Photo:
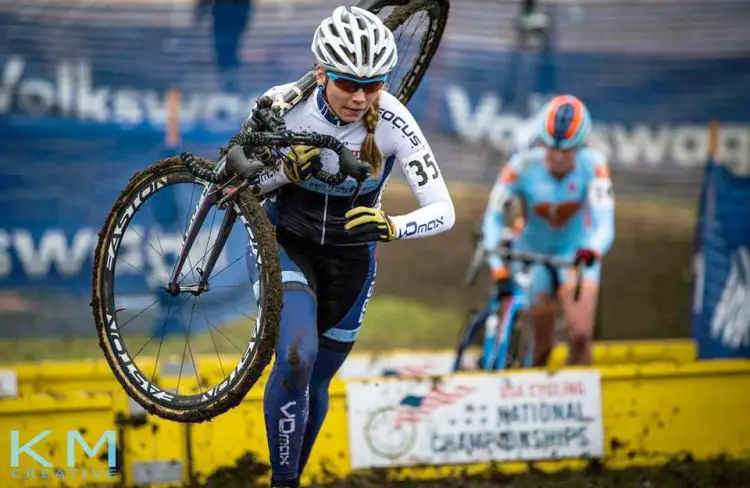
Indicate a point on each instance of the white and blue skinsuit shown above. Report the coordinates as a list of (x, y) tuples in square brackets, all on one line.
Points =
[(327, 278)]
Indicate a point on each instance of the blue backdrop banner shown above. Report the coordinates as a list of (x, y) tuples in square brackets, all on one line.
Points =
[(721, 287), (85, 98)]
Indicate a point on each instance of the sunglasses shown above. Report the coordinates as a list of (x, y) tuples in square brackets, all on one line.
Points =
[(352, 85)]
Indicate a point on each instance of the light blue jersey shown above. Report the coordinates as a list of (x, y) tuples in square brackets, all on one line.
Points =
[(561, 216)]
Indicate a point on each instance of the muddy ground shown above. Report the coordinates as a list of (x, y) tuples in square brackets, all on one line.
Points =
[(645, 289), (683, 473)]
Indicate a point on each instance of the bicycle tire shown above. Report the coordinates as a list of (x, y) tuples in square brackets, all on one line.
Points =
[(437, 12), (466, 333), (519, 341), (184, 408)]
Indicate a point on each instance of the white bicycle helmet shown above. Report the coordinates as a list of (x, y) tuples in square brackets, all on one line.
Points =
[(354, 41)]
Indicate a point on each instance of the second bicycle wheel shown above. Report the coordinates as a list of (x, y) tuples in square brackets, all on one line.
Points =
[(520, 341), (152, 334), (418, 27)]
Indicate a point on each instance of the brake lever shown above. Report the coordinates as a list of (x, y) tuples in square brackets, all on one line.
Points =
[(239, 164), (351, 166), (268, 116)]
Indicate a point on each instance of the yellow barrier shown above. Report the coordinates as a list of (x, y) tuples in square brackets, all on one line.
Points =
[(94, 375), (60, 377), (651, 413), (608, 353)]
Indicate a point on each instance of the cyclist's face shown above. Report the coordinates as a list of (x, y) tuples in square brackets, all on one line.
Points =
[(348, 106), (560, 161)]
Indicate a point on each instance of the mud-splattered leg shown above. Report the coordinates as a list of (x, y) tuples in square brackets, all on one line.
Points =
[(286, 400)]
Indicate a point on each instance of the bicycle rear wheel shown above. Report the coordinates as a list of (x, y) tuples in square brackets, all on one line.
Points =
[(418, 28), (133, 261), (470, 337), (520, 342)]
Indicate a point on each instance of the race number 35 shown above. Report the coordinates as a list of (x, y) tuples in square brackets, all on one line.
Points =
[(419, 169)]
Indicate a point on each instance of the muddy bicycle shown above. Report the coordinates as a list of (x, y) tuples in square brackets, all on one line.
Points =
[(502, 328), (223, 217)]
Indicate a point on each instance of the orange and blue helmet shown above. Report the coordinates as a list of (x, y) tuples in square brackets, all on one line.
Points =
[(565, 123)]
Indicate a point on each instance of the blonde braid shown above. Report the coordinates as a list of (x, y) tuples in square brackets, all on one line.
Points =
[(370, 151)]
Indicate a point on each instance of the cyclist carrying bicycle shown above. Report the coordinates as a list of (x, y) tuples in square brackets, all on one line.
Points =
[(568, 211), (327, 249)]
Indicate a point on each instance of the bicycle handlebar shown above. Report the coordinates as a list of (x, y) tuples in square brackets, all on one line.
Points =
[(550, 262), (533, 258), (239, 164)]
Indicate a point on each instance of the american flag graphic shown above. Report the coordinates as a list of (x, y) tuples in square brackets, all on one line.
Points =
[(413, 408), (411, 370)]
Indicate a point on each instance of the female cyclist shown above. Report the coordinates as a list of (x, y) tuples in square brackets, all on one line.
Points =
[(568, 207), (327, 247)]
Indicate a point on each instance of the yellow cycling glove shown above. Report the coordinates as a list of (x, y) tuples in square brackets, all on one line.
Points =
[(301, 163), (369, 224)]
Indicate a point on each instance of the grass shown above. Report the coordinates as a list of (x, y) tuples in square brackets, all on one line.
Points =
[(41, 348), (389, 323), (393, 322)]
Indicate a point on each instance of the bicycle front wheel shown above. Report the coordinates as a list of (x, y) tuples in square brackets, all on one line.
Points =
[(153, 330)]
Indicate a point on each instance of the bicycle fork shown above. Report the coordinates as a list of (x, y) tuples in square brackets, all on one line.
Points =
[(209, 196), (498, 335)]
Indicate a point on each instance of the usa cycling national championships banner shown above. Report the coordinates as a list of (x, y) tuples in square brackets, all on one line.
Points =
[(509, 417)]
